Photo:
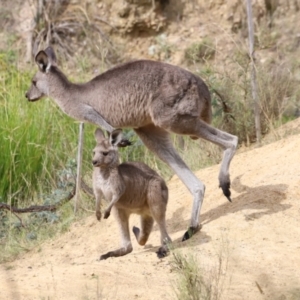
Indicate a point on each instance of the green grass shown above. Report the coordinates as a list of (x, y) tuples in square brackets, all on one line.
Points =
[(196, 280), (200, 51), (37, 139)]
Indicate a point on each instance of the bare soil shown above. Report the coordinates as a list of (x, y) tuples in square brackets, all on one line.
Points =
[(258, 233)]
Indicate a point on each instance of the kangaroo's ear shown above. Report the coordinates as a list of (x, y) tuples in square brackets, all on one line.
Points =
[(51, 55), (99, 135), (43, 61), (116, 137)]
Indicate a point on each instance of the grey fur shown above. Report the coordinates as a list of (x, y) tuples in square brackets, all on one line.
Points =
[(130, 187), (153, 98)]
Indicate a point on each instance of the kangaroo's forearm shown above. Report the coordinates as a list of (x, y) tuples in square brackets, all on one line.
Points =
[(94, 117)]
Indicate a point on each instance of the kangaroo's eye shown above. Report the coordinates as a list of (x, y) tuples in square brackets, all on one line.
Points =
[(34, 82), (104, 153), (94, 152)]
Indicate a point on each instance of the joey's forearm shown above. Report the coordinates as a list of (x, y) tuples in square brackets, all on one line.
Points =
[(111, 204), (98, 204)]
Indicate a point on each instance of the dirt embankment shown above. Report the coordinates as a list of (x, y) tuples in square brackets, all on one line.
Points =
[(258, 233)]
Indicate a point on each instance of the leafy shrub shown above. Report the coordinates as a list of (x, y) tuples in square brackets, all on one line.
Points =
[(233, 107), (19, 232), (200, 51)]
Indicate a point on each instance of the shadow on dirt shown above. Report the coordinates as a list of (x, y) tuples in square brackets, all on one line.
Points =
[(200, 238), (265, 199), (256, 201)]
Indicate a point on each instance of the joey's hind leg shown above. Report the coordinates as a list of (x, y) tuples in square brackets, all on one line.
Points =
[(126, 247), (146, 228), (158, 212)]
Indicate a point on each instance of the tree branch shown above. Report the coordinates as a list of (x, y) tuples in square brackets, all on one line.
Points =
[(52, 207), (38, 208)]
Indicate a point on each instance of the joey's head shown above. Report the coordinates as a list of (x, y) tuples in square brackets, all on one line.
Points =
[(105, 154), (41, 81)]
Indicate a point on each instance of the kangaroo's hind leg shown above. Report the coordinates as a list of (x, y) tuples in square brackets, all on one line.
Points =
[(158, 141), (158, 200), (142, 234), (126, 246), (228, 142)]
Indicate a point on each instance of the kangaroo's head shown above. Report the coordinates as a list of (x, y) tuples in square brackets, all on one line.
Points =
[(46, 61), (105, 154)]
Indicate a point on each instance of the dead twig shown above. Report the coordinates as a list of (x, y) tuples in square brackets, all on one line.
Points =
[(225, 107), (52, 207), (259, 288), (38, 208), (21, 221)]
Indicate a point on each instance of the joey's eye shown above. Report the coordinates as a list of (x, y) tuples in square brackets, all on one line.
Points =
[(104, 153), (94, 152)]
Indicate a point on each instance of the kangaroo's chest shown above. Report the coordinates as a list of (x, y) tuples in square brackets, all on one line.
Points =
[(106, 187)]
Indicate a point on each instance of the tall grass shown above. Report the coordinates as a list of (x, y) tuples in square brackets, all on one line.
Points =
[(37, 139), (197, 281), (37, 142)]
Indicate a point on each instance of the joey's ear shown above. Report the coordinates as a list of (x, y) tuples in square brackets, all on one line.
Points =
[(43, 61), (51, 55), (116, 137), (99, 135)]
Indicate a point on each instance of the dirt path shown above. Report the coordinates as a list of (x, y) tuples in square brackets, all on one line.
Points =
[(259, 231)]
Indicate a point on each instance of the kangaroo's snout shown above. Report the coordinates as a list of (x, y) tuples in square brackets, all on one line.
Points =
[(94, 162), (27, 95)]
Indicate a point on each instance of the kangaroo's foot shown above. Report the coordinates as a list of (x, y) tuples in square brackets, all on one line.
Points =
[(105, 256), (225, 186), (162, 251), (136, 232), (140, 237), (119, 252), (106, 213), (190, 232), (98, 215)]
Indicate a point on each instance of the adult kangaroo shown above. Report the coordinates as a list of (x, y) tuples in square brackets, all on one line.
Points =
[(154, 99)]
